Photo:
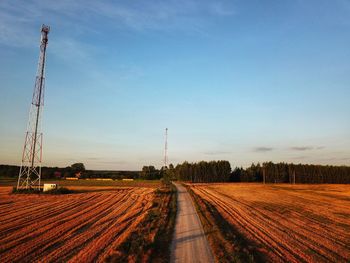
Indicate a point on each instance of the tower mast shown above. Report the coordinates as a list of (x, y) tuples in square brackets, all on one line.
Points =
[(166, 149), (30, 171)]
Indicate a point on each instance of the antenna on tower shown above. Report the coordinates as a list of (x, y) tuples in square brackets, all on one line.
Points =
[(30, 171), (166, 149)]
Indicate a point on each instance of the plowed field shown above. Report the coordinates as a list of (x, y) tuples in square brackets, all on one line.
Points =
[(293, 223), (83, 227)]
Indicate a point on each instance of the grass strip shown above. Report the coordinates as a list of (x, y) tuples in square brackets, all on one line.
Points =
[(151, 241)]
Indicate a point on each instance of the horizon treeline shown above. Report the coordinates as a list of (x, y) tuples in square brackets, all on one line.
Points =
[(212, 171), (268, 172), (12, 171), (292, 173)]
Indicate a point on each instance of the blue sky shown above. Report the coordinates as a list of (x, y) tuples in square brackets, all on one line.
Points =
[(244, 81)]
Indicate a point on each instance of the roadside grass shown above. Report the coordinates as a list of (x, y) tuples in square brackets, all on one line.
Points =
[(228, 244), (151, 241)]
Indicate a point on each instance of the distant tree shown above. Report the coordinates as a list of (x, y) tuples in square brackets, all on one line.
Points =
[(75, 169), (150, 173), (78, 167), (169, 173), (236, 175)]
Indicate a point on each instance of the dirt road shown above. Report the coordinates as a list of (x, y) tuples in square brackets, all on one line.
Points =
[(189, 243)]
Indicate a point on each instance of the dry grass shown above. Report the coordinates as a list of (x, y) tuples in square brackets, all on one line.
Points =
[(150, 241), (84, 227), (294, 223)]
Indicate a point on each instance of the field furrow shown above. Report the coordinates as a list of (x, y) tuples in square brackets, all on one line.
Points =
[(300, 224), (82, 227)]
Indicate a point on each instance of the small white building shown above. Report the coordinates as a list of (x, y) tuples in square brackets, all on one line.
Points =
[(49, 187)]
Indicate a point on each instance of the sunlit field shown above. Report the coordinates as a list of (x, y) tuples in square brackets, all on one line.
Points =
[(293, 223), (87, 226)]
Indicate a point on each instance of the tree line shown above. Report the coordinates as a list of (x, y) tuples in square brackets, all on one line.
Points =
[(213, 171), (292, 173), (74, 170), (268, 172)]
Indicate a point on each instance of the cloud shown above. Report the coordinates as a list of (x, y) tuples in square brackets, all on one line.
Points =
[(217, 152), (73, 23), (300, 157), (116, 162), (263, 149), (220, 9), (301, 148), (306, 148), (104, 160), (336, 159), (320, 148), (17, 17), (12, 30), (93, 158), (161, 15)]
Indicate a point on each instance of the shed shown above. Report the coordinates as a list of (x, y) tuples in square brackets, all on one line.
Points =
[(49, 187)]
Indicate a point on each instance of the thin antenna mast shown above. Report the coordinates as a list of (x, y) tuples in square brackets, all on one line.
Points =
[(166, 149), (30, 171)]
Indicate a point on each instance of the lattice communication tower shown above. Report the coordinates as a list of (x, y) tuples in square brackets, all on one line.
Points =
[(30, 171)]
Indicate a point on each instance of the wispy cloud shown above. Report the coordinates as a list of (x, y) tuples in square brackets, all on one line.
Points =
[(81, 15), (217, 152), (221, 9), (93, 158), (306, 148), (161, 15), (12, 30), (263, 149), (299, 157), (116, 162), (336, 159), (301, 148), (75, 22)]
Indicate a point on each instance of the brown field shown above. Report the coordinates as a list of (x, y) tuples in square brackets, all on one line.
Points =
[(84, 227), (294, 223)]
